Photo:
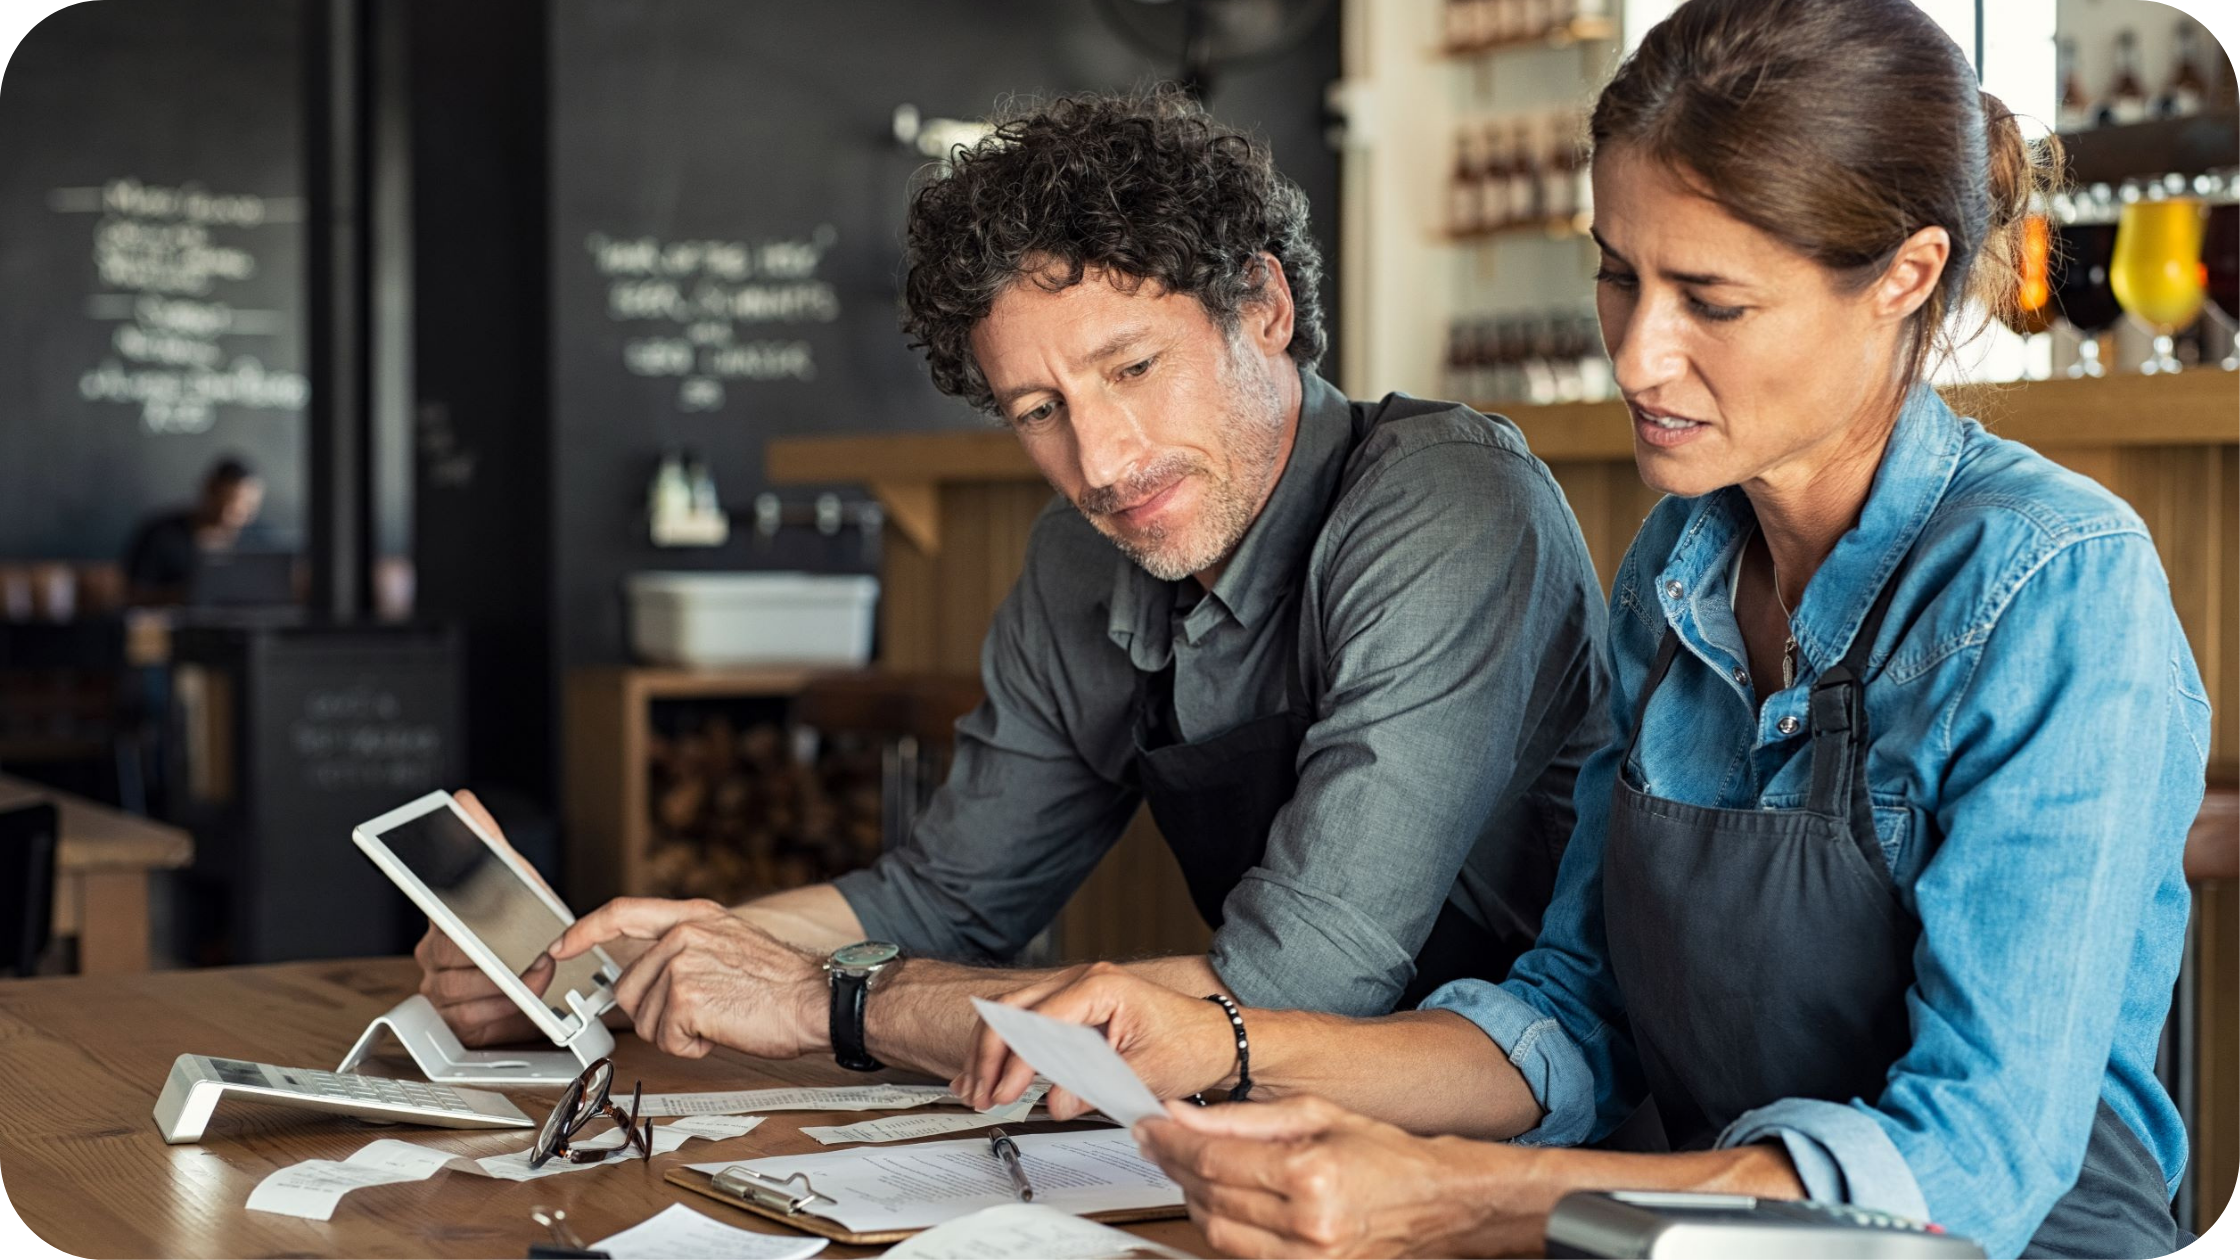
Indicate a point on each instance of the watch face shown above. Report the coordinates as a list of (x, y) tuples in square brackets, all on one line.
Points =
[(865, 954)]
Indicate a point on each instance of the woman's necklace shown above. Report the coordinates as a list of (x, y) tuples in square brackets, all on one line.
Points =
[(1788, 628)]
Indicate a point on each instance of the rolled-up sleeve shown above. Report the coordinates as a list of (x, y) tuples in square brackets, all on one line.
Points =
[(1020, 822), (1459, 650)]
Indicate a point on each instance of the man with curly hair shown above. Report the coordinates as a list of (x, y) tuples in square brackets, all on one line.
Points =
[(1349, 653)]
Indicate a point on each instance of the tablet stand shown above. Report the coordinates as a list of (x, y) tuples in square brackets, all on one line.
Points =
[(416, 1025)]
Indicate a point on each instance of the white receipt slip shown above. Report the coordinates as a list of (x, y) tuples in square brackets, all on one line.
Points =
[(911, 1128), (878, 1188), (1075, 1056), (315, 1187), (1026, 1231), (679, 1233), (843, 1098)]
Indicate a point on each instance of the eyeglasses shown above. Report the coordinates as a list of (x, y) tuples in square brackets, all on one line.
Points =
[(585, 1099)]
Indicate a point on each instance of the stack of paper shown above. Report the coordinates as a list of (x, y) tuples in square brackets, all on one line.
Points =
[(911, 1187), (1026, 1231)]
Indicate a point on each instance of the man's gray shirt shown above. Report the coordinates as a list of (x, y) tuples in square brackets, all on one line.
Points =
[(1450, 637)]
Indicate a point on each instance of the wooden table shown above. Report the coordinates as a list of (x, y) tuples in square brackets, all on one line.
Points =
[(102, 867), (84, 1058)]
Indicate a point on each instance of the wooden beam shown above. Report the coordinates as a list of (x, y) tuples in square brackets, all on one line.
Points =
[(967, 455), (2199, 407), (915, 507)]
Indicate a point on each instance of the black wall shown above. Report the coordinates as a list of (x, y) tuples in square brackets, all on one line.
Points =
[(712, 120), (196, 96)]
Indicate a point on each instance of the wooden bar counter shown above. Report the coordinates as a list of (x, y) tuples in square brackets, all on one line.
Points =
[(84, 1059)]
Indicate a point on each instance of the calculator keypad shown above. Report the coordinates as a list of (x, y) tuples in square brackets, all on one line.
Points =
[(377, 1091)]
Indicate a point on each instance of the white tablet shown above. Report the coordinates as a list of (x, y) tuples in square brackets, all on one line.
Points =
[(486, 898)]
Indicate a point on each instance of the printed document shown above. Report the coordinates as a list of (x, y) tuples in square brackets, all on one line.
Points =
[(912, 1187)]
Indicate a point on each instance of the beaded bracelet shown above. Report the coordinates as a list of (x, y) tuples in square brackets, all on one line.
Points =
[(1243, 1091)]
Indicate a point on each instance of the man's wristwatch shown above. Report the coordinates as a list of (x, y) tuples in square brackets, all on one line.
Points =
[(851, 969)]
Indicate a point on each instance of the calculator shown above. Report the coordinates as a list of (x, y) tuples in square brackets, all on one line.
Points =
[(198, 1081), (1684, 1226)]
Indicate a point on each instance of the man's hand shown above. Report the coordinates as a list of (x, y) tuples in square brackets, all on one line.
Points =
[(1305, 1177), (1178, 1043), (709, 979), (471, 1002)]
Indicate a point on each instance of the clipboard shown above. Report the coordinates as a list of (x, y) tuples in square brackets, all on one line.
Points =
[(792, 1202)]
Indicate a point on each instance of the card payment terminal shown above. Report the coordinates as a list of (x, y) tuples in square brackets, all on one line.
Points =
[(1674, 1226)]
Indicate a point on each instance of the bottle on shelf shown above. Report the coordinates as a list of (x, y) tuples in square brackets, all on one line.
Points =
[(2127, 97), (2188, 89), (1486, 20), (1494, 172), (1524, 175), (2075, 113), (1533, 19), (1559, 179), (1582, 178), (1459, 23), (1463, 206)]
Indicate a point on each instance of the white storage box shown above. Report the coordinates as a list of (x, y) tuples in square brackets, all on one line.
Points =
[(711, 619)]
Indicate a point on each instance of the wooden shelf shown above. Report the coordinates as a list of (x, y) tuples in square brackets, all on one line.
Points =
[(1577, 30), (2196, 407), (2188, 146), (1560, 227)]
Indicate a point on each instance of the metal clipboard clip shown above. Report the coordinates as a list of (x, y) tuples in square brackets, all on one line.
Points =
[(789, 1196)]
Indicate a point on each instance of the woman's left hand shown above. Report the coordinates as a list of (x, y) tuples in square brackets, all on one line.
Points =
[(1305, 1177)]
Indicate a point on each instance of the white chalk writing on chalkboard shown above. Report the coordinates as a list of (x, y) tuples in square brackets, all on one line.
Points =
[(703, 290), (360, 736), (161, 267)]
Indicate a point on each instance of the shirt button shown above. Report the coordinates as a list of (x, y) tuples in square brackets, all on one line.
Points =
[(1673, 590), (1742, 676), (1789, 725)]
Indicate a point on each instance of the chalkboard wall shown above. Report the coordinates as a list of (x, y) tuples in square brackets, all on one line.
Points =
[(151, 254), (712, 155)]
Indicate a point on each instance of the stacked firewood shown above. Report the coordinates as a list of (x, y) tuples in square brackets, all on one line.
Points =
[(742, 812)]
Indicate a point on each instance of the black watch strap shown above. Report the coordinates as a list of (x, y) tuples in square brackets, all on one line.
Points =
[(848, 993)]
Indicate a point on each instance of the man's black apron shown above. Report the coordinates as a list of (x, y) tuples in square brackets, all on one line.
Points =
[(1765, 955), (1215, 799)]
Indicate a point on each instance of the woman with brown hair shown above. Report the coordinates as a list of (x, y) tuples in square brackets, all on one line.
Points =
[(1878, 899)]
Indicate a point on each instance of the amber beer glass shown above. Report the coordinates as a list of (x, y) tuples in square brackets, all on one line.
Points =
[(2084, 239), (2033, 308), (2156, 270), (2220, 264)]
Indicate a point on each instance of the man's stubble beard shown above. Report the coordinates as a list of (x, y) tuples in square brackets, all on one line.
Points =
[(1251, 435)]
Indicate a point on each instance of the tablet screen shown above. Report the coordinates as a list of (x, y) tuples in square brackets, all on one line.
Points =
[(489, 897)]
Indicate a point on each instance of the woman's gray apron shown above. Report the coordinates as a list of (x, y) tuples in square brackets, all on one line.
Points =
[(1215, 799), (1765, 955)]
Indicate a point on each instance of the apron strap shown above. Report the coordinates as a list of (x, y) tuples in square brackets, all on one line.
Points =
[(1667, 648), (1837, 714)]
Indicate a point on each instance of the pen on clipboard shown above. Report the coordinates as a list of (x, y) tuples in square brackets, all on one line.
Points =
[(1008, 1151)]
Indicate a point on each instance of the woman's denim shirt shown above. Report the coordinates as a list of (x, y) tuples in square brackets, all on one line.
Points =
[(2039, 736)]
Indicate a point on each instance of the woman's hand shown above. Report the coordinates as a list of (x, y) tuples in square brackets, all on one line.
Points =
[(1179, 1044), (1305, 1177)]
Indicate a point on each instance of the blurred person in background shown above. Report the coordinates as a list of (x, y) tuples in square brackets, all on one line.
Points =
[(160, 561)]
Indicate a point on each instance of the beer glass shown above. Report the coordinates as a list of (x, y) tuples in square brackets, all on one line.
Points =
[(2156, 269), (2220, 264), (2077, 274)]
